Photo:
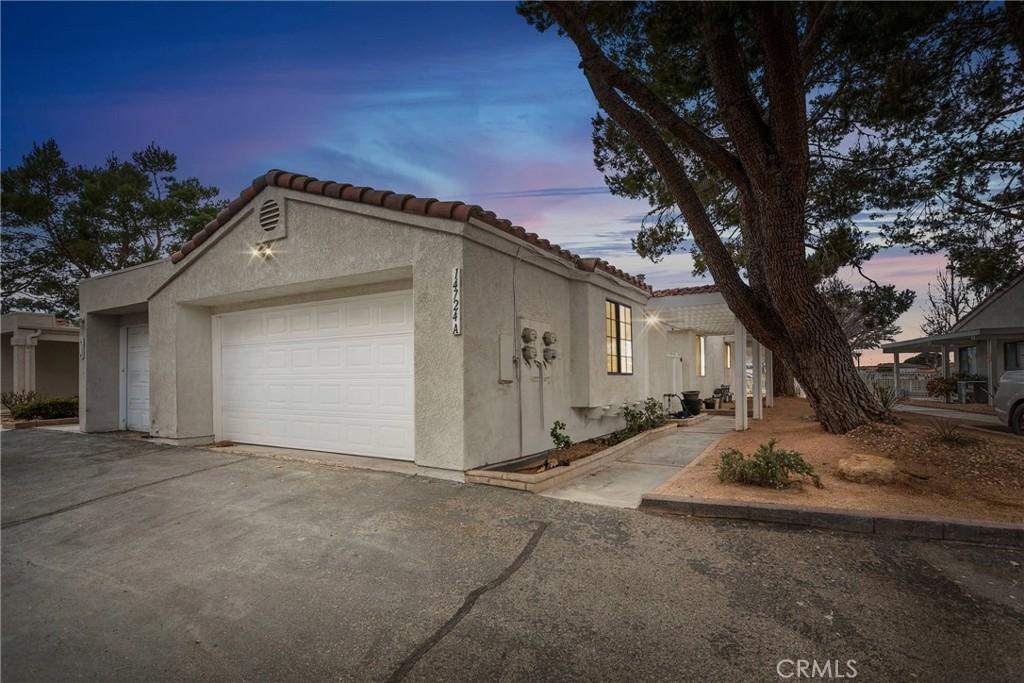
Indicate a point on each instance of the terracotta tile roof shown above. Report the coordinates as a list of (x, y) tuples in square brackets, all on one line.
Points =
[(683, 291), (420, 206)]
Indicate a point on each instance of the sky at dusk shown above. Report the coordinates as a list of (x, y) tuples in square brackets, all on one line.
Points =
[(455, 100)]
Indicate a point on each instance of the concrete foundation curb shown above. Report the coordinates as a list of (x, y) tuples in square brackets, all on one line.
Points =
[(30, 424), (892, 525)]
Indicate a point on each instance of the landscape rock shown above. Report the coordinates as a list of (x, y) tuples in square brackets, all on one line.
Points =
[(862, 468)]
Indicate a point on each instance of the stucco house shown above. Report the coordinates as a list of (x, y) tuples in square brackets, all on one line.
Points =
[(986, 342), (323, 316), (39, 352)]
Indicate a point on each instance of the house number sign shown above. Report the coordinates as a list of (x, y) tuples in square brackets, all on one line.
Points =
[(456, 301)]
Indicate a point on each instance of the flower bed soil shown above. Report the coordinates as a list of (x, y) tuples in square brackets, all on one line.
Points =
[(562, 457)]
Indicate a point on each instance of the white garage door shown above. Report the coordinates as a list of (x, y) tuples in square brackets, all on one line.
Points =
[(332, 376), (136, 378)]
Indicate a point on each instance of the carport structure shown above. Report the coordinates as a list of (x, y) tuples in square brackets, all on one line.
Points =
[(698, 322)]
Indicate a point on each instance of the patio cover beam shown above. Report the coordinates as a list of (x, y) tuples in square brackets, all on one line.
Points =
[(739, 380), (758, 407)]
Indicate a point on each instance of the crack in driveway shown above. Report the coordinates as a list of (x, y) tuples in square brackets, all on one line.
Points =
[(409, 662), (75, 506)]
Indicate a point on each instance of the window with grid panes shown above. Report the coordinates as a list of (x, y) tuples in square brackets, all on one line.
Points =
[(618, 333)]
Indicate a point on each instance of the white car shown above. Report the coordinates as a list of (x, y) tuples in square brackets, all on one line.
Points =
[(1009, 401)]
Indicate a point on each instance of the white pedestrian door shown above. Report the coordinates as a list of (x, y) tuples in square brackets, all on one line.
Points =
[(136, 383), (333, 376)]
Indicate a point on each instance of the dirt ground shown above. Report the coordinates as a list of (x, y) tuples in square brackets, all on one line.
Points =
[(980, 480)]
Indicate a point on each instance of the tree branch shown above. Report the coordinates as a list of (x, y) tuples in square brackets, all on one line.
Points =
[(810, 44), (784, 82), (760, 319), (701, 144), (739, 110)]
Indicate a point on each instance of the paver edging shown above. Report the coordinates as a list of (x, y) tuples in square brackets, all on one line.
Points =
[(891, 525), (542, 481)]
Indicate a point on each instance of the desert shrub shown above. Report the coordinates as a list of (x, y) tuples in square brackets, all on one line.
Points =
[(768, 466), (46, 409), (950, 433), (941, 387), (14, 399), (559, 437), (888, 398)]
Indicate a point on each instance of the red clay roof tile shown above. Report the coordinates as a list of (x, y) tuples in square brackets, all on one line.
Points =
[(443, 209), (396, 202), (376, 197), (354, 193), (422, 206), (418, 205), (683, 291)]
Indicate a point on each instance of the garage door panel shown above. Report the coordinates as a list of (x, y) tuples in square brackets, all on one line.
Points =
[(136, 383), (334, 377)]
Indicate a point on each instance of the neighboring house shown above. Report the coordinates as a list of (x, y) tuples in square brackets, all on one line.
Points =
[(39, 352), (906, 369), (987, 342), (322, 316)]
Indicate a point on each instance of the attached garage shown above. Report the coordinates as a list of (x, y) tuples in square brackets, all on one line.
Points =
[(333, 376), (320, 316)]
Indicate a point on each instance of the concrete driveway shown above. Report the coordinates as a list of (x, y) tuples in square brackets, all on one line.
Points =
[(124, 560)]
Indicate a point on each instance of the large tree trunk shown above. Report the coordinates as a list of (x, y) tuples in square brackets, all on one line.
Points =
[(782, 378), (839, 397), (814, 345)]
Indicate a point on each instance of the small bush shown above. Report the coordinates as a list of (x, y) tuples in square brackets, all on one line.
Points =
[(888, 398), (950, 433), (559, 437), (635, 420), (12, 400), (767, 467), (46, 409), (654, 413)]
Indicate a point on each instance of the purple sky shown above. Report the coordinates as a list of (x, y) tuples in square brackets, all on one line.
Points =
[(452, 100)]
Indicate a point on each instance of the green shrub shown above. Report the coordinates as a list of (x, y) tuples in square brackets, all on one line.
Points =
[(635, 420), (46, 409), (767, 467), (12, 400), (650, 415), (950, 433), (559, 437), (654, 413)]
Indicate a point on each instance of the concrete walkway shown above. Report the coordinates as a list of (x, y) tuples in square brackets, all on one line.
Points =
[(980, 419), (623, 482)]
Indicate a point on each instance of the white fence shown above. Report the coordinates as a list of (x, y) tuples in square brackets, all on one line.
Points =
[(912, 387)]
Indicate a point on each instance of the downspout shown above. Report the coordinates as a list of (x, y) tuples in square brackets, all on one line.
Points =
[(517, 360)]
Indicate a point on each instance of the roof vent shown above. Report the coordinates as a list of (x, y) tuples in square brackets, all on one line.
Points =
[(270, 215)]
